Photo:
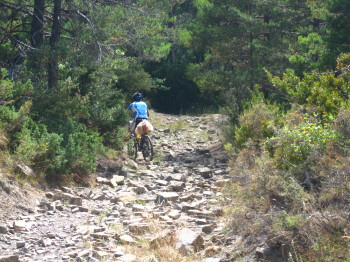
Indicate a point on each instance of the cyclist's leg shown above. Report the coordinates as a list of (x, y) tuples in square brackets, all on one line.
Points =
[(137, 135), (132, 126)]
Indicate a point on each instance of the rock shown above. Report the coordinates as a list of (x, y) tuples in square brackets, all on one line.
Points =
[(188, 241), (45, 242), (119, 251), (125, 197), (132, 164), (165, 197), (3, 229), (102, 180), (100, 235), (20, 244), (218, 211), (84, 253), (176, 177), (83, 209), (21, 226), (24, 170), (208, 228), (114, 167), (139, 228), (199, 213), (10, 258), (138, 208), (72, 199), (51, 235), (205, 172), (93, 259), (66, 190), (127, 258), (127, 239), (161, 182), (163, 238), (117, 181), (98, 229), (201, 221), (49, 195), (99, 196), (100, 255), (185, 207), (177, 186), (187, 198), (86, 193), (174, 214), (203, 151), (270, 254), (140, 190)]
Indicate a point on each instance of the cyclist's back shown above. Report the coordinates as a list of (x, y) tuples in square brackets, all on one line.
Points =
[(140, 109)]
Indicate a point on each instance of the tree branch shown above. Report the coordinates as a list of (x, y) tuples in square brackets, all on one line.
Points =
[(14, 39)]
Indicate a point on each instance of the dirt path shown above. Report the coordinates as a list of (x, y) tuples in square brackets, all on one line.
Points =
[(166, 210)]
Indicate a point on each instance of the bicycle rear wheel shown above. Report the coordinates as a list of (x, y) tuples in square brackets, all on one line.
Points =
[(147, 148)]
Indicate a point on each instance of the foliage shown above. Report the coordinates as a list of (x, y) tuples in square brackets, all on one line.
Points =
[(294, 144), (82, 148), (295, 179), (37, 148), (256, 122), (338, 23), (326, 92), (239, 39), (310, 53), (193, 56)]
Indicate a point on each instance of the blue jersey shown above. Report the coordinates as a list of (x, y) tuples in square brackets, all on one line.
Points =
[(139, 108)]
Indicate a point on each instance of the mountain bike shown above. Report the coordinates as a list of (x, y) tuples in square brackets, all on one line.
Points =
[(145, 146)]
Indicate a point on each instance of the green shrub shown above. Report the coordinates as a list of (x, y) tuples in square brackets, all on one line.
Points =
[(82, 149), (285, 221), (15, 107), (325, 92), (295, 143), (6, 86), (38, 148), (256, 123)]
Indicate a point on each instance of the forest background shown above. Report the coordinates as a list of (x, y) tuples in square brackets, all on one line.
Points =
[(279, 69)]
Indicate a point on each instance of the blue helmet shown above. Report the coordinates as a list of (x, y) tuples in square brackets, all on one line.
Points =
[(137, 96)]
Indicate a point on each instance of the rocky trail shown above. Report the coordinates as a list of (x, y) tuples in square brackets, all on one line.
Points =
[(165, 210)]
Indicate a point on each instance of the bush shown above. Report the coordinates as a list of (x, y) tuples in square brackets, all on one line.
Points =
[(256, 123), (326, 92), (82, 149), (40, 149), (294, 143)]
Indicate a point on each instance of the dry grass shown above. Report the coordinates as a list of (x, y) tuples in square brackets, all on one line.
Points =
[(166, 253), (265, 202), (160, 246)]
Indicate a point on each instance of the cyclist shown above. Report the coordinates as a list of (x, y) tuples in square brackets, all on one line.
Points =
[(140, 112)]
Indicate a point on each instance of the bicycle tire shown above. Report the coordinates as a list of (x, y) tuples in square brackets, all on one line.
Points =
[(136, 146), (132, 148), (147, 148)]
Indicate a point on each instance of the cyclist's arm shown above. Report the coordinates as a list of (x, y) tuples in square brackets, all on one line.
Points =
[(130, 110)]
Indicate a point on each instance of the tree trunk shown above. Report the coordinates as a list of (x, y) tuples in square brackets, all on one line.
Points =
[(251, 50), (36, 31), (55, 37), (37, 39)]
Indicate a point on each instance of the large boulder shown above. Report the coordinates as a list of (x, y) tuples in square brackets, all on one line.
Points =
[(188, 241)]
